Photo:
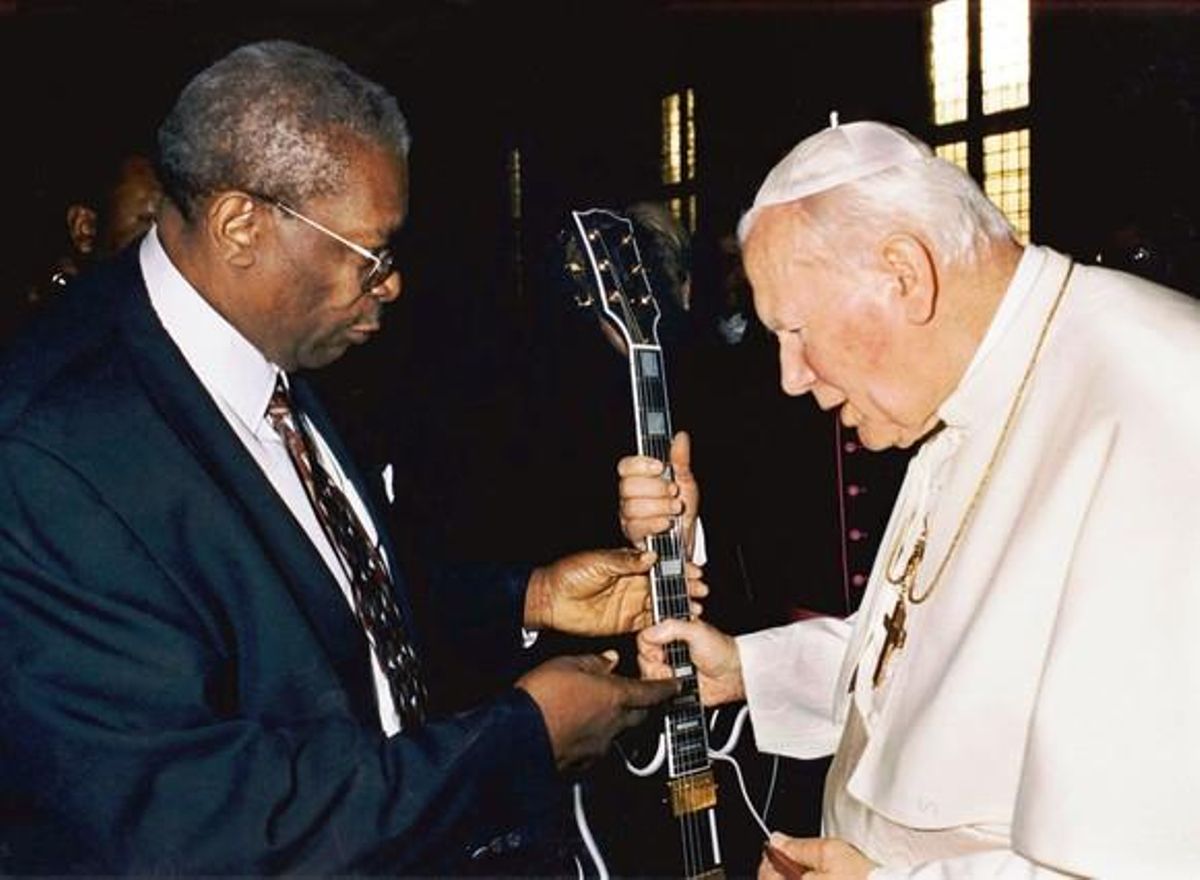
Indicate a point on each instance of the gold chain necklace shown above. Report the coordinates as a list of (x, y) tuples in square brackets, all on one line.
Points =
[(895, 631)]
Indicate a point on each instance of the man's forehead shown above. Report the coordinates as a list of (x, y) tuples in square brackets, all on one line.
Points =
[(780, 262), (775, 245), (377, 189)]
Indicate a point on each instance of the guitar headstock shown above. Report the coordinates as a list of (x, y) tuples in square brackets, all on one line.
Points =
[(612, 279)]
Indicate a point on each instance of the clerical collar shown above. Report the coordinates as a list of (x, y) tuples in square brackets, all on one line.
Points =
[(225, 361)]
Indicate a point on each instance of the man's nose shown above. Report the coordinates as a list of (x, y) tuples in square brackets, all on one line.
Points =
[(389, 288), (796, 377)]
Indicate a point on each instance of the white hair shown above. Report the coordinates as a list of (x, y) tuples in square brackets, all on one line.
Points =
[(861, 181)]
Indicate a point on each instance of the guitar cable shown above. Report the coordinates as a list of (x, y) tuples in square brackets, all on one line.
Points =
[(585, 832), (724, 753)]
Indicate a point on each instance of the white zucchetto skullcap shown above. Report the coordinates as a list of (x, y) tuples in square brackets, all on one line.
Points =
[(831, 157)]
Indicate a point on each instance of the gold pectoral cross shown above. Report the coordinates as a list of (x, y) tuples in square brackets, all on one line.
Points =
[(894, 623)]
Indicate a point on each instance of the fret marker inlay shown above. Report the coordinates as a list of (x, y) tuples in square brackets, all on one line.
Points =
[(671, 567)]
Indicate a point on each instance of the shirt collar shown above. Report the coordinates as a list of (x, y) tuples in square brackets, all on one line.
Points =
[(232, 370)]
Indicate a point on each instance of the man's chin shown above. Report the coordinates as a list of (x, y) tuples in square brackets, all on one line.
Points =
[(875, 443), (890, 438), (877, 439), (316, 358)]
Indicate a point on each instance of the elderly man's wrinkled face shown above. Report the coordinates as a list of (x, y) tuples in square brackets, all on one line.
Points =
[(841, 336), (319, 308)]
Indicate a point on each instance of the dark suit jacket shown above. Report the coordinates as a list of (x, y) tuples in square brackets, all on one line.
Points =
[(183, 688)]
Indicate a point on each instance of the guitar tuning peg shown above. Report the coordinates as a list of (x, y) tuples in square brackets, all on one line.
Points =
[(645, 299), (584, 300), (614, 296), (593, 235), (575, 268), (604, 265), (636, 270), (627, 238)]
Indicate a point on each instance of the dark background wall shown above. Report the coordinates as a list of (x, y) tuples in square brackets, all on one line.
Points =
[(500, 406)]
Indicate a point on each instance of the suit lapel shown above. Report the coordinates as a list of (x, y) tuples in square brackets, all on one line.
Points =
[(193, 415)]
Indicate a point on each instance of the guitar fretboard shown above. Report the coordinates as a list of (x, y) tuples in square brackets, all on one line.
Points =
[(686, 732)]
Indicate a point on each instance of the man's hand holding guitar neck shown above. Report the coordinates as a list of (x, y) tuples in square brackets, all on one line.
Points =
[(648, 502)]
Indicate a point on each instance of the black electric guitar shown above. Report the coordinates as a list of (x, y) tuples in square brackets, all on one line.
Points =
[(615, 285)]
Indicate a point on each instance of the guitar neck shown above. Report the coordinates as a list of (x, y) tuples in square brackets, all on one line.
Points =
[(652, 416), (618, 290)]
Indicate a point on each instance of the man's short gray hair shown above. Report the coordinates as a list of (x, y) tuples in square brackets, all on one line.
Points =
[(864, 180), (273, 118)]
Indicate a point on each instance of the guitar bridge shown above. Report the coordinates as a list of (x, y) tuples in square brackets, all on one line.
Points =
[(693, 793)]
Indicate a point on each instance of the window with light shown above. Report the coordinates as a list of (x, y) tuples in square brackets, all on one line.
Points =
[(1006, 176), (1004, 62), (679, 154), (948, 60), (955, 151), (980, 94)]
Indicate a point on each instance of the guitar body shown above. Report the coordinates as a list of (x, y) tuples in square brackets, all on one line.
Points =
[(631, 820), (618, 289)]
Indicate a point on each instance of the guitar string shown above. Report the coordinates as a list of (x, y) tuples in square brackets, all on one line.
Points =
[(690, 840), (690, 822), (677, 606)]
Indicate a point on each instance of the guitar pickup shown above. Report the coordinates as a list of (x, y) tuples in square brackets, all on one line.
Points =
[(693, 793)]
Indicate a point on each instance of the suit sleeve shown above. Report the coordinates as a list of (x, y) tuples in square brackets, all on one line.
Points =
[(475, 646), (122, 743)]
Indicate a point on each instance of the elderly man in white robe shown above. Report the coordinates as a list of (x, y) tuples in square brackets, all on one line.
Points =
[(1019, 693)]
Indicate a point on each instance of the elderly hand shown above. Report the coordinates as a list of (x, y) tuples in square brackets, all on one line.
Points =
[(584, 705), (714, 656), (648, 502), (813, 857), (598, 592)]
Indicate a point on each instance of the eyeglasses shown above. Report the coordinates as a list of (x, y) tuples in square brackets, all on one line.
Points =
[(382, 259)]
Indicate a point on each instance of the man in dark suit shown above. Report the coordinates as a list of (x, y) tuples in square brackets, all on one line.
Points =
[(209, 655)]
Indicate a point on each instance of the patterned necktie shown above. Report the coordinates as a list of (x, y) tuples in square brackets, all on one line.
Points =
[(370, 585)]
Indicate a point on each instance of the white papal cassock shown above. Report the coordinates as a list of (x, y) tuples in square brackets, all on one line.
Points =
[(1044, 714)]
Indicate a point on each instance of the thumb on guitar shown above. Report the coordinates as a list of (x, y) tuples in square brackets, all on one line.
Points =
[(689, 488)]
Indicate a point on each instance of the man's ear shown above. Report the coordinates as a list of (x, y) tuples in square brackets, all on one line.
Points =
[(81, 228), (910, 266), (235, 227)]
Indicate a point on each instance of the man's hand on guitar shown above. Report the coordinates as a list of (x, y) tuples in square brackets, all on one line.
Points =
[(648, 502), (599, 592), (584, 705), (714, 656), (791, 858)]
